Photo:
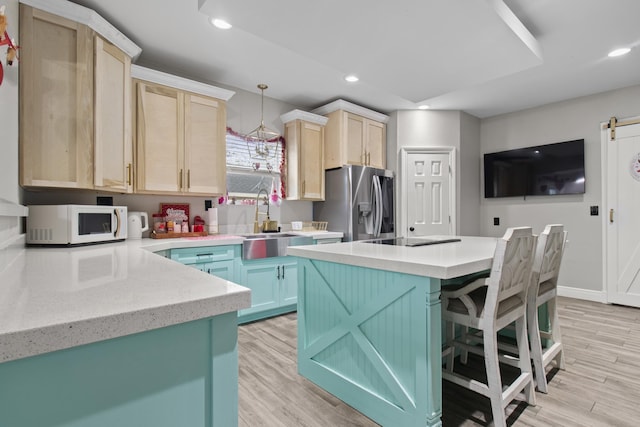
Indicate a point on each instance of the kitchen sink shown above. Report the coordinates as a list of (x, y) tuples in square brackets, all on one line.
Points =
[(267, 245), (269, 236)]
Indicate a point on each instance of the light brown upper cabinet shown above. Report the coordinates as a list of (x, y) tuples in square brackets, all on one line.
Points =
[(304, 139), (56, 101), (113, 147), (180, 135), (74, 99), (353, 135)]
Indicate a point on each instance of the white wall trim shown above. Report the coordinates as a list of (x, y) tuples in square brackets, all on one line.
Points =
[(341, 104), (401, 189), (154, 76), (583, 294), (91, 19)]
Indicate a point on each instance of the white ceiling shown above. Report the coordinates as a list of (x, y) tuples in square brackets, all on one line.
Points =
[(485, 57)]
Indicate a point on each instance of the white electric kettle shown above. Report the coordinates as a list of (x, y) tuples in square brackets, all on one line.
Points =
[(134, 224)]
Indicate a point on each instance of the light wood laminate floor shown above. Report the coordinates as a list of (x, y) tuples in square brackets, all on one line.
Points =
[(600, 386)]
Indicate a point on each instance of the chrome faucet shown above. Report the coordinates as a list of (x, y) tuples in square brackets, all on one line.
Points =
[(256, 226)]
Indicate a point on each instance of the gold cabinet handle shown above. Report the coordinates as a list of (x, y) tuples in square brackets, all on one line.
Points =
[(189, 178), (611, 216), (180, 179), (129, 173), (369, 158), (303, 185)]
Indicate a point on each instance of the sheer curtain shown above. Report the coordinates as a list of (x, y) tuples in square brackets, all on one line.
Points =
[(248, 172)]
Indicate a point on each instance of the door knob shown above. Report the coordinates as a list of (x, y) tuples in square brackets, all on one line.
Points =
[(412, 229)]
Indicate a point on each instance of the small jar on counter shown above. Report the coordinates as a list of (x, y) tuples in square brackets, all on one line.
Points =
[(159, 224), (170, 226)]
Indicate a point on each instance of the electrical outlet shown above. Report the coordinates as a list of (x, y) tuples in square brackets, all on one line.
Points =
[(496, 221), (207, 205), (594, 210)]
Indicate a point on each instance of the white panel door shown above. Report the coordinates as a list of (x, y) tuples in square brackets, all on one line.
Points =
[(623, 224), (428, 194)]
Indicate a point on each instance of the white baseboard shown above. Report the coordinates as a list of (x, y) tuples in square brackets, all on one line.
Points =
[(584, 294)]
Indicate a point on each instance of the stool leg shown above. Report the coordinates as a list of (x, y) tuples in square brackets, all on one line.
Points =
[(525, 362), (464, 354), (556, 335), (494, 380), (533, 328), (450, 330)]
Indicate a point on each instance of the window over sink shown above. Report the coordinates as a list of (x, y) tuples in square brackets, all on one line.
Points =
[(249, 170)]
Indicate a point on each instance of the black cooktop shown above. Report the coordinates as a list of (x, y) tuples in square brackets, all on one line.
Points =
[(412, 241)]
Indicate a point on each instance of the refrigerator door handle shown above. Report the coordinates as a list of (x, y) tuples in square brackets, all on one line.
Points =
[(380, 206), (377, 202)]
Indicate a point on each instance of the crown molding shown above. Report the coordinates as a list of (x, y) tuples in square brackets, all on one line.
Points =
[(154, 76), (303, 115), (341, 104), (90, 18)]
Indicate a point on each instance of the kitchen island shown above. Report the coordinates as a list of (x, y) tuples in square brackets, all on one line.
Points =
[(114, 334), (369, 322)]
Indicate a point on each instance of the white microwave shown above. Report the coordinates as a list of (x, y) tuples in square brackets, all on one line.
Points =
[(75, 224)]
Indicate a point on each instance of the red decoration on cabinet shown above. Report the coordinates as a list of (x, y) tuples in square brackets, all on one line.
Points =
[(12, 49)]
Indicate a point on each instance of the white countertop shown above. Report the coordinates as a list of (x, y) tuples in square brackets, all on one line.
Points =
[(443, 261), (56, 298)]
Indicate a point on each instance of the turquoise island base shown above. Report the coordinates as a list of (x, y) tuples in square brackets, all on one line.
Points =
[(362, 335), (369, 323)]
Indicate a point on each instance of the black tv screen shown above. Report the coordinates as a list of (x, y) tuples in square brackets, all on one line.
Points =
[(536, 171)]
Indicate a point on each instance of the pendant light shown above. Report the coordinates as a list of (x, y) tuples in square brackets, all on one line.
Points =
[(262, 142)]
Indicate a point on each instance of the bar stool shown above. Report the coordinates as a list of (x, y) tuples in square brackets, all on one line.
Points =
[(490, 305), (544, 282)]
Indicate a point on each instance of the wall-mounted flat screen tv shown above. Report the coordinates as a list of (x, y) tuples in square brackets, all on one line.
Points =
[(536, 171)]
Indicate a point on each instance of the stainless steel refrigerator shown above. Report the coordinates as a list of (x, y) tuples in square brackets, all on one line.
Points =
[(359, 202)]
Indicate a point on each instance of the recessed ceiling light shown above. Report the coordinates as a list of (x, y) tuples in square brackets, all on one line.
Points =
[(220, 23), (423, 107), (619, 52), (351, 78)]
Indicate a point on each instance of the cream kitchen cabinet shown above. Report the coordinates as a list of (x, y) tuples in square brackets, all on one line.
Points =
[(113, 145), (304, 136), (180, 135), (353, 135), (56, 108), (74, 98)]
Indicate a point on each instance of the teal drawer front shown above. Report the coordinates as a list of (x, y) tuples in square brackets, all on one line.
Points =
[(205, 254)]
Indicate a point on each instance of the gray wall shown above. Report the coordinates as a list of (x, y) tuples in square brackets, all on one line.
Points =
[(417, 128), (9, 189), (582, 269)]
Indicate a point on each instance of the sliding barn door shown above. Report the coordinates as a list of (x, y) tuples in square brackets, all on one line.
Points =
[(623, 221)]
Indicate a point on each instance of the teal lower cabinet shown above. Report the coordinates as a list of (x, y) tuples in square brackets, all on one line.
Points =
[(223, 269), (273, 281), (181, 375), (216, 260), (274, 287)]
